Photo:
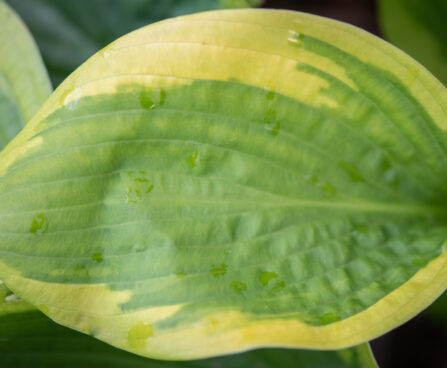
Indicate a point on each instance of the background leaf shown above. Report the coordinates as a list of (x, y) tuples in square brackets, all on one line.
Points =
[(29, 339), (419, 28), (24, 84), (437, 310), (69, 32), (192, 193)]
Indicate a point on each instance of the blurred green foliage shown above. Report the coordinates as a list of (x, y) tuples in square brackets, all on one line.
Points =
[(419, 27)]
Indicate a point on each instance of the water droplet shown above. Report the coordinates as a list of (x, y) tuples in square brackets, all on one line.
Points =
[(43, 308), (269, 95), (294, 38), (138, 334), (238, 287), (353, 172), (213, 322), (193, 160), (108, 52), (313, 180), (391, 177), (272, 124), (97, 257), (71, 99), (79, 267), (328, 189), (39, 224), (149, 188), (219, 270), (139, 186), (265, 277), (13, 299), (273, 128), (394, 182), (64, 95), (419, 262), (146, 100), (139, 248), (234, 80), (278, 287), (329, 317), (133, 195), (360, 229), (162, 97), (151, 99)]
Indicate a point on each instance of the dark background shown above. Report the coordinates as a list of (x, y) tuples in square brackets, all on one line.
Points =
[(421, 342)]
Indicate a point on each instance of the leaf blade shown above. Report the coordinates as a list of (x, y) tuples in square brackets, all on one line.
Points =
[(24, 84), (189, 196)]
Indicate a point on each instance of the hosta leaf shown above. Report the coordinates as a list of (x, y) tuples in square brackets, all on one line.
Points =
[(230, 180), (419, 28), (60, 27), (24, 84), (29, 339)]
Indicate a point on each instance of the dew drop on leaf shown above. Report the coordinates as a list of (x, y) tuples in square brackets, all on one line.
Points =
[(138, 186), (97, 257), (360, 229), (294, 38), (64, 95), (108, 52), (419, 262), (193, 160), (354, 174), (39, 224), (265, 277), (79, 267), (238, 287), (313, 180), (151, 99), (329, 317), (272, 124), (138, 334), (278, 287), (328, 189), (12, 298), (273, 128), (219, 271), (133, 195), (270, 95), (146, 100), (43, 308), (72, 99)]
